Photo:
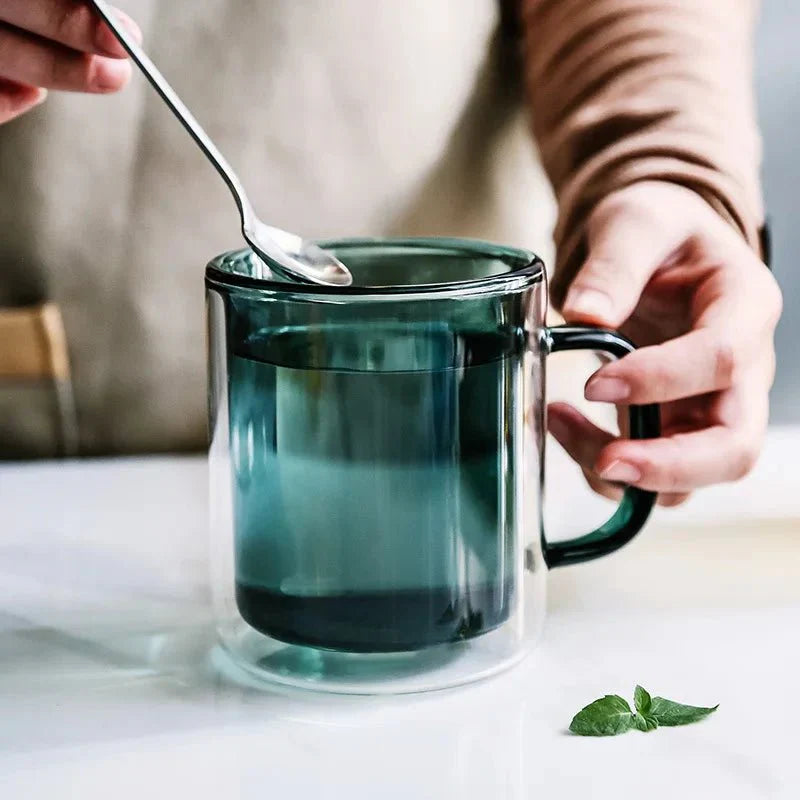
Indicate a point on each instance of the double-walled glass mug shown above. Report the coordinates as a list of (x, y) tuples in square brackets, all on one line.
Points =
[(377, 457)]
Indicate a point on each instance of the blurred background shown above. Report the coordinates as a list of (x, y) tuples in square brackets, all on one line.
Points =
[(778, 83)]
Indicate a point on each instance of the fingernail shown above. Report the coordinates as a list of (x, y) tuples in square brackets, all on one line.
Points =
[(588, 303), (42, 96), (110, 75), (607, 390), (621, 472)]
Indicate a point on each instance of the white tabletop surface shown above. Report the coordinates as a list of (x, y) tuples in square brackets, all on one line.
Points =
[(107, 689)]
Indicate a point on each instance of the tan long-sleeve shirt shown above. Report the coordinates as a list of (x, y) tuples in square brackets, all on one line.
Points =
[(630, 90)]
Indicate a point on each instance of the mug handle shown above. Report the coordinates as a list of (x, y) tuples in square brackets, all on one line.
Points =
[(645, 423)]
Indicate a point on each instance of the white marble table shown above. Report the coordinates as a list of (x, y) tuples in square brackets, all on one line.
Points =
[(106, 689)]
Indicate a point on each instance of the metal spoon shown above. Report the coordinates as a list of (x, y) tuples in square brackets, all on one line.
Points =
[(286, 253)]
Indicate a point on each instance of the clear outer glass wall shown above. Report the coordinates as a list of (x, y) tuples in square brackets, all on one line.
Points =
[(376, 466)]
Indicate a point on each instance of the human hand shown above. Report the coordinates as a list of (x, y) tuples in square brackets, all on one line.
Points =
[(56, 44), (669, 273)]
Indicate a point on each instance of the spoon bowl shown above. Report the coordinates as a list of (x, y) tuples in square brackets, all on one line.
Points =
[(309, 261)]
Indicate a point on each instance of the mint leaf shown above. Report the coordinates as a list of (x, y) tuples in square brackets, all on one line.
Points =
[(643, 701), (608, 716), (669, 713), (643, 719), (644, 723), (611, 715)]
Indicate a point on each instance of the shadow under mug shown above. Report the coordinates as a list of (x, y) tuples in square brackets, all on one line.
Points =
[(377, 464)]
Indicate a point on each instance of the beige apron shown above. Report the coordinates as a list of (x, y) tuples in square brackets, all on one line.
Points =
[(353, 118)]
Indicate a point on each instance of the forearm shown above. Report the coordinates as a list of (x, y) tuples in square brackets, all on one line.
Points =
[(629, 90)]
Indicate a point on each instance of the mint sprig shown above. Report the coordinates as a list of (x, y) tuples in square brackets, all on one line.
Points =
[(611, 715)]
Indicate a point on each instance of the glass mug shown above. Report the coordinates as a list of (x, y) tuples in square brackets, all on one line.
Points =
[(377, 462)]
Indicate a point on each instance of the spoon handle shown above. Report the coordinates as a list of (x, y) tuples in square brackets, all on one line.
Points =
[(176, 105)]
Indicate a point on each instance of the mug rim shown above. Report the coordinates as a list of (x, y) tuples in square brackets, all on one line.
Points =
[(525, 269)]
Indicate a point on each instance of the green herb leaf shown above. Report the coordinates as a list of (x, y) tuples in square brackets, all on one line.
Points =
[(608, 716), (643, 701), (611, 715), (645, 723), (669, 713)]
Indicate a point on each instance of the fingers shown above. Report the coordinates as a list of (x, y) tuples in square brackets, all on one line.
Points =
[(673, 499), (68, 22), (16, 99), (679, 463), (610, 491), (584, 442), (58, 44), (733, 332), (29, 60), (712, 308), (684, 461), (697, 363), (582, 439), (627, 244)]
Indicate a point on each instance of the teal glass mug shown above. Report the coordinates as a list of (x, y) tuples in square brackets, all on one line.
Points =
[(377, 462)]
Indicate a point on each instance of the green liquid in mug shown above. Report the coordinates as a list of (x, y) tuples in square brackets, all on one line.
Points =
[(374, 484)]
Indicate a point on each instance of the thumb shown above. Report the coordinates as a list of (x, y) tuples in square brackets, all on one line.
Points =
[(628, 240)]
